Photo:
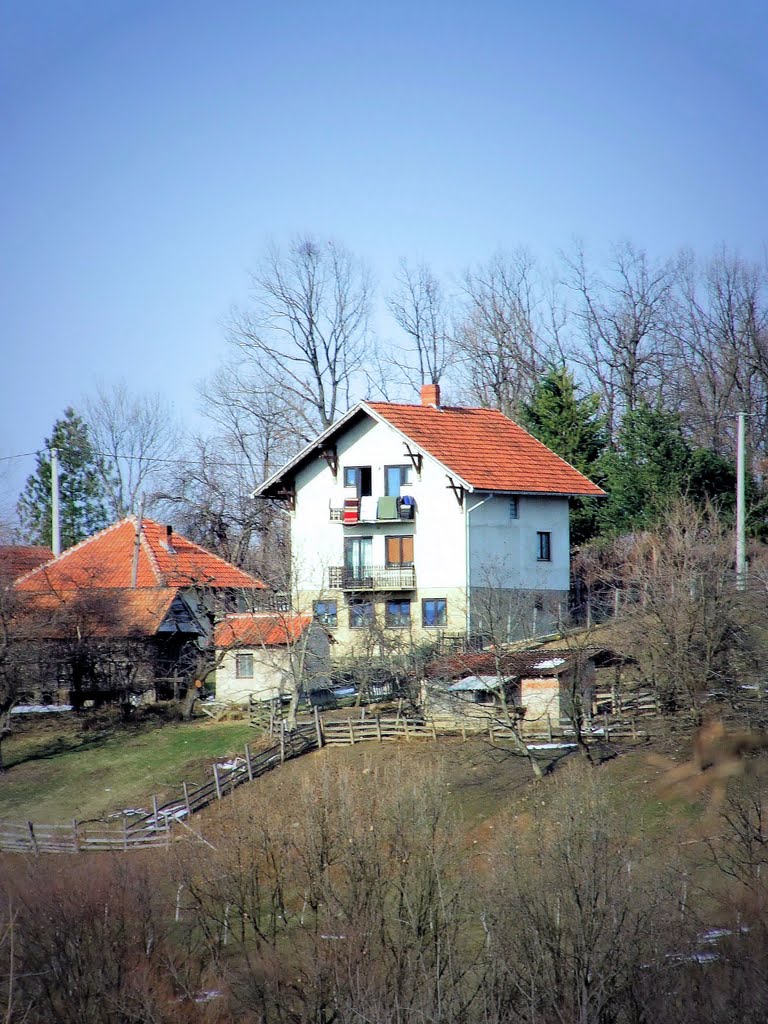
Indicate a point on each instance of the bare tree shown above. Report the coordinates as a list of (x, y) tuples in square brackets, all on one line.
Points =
[(133, 436), (622, 324), (719, 338), (419, 307), (304, 334), (503, 338)]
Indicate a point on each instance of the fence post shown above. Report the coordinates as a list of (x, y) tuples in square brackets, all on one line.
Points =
[(633, 723), (248, 764), (434, 730), (606, 727), (125, 831), (186, 799), (74, 835), (549, 727), (463, 732), (405, 727), (378, 727), (351, 732), (216, 780), (318, 728), (154, 811), (282, 741)]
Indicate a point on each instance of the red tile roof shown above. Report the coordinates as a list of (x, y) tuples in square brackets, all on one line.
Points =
[(539, 664), (103, 612), (18, 559), (259, 630), (106, 560), (486, 449)]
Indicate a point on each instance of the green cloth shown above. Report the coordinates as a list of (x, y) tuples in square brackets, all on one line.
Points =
[(387, 508)]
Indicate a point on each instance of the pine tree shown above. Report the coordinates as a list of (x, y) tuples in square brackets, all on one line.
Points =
[(576, 431), (82, 498)]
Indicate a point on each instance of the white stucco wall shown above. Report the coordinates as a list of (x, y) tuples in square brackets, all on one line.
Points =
[(438, 528), (502, 551), (270, 671)]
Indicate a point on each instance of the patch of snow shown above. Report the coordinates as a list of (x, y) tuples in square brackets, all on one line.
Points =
[(40, 709), (228, 766), (715, 934), (208, 995), (550, 746), (550, 663)]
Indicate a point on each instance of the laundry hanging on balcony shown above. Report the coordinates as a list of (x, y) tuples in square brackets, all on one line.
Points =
[(351, 510), (406, 506), (368, 509), (387, 508)]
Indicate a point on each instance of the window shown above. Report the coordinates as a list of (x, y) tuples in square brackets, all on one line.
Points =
[(361, 614), (396, 477), (397, 614), (357, 556), (244, 666), (399, 551), (434, 611), (326, 613), (543, 547), (358, 477), (514, 508)]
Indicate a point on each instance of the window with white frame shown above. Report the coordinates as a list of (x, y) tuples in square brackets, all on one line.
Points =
[(244, 666)]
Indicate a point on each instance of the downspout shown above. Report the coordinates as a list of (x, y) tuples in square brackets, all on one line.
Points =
[(467, 560)]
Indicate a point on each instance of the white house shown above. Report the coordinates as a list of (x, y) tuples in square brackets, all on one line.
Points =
[(419, 519), (266, 655)]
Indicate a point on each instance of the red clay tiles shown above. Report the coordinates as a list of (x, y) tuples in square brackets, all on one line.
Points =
[(486, 449), (165, 560), (259, 630)]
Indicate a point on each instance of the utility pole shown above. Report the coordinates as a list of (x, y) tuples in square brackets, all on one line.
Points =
[(137, 545), (55, 515), (741, 561)]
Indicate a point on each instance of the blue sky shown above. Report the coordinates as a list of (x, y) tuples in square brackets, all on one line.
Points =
[(151, 150)]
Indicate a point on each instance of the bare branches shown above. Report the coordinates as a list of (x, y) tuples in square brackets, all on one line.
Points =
[(305, 332), (419, 307), (132, 435)]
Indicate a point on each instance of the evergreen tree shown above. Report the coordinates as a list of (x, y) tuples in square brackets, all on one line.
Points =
[(575, 430), (653, 464), (82, 499)]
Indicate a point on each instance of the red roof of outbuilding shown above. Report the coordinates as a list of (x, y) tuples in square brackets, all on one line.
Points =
[(253, 629), (106, 560), (18, 559), (115, 613), (486, 449)]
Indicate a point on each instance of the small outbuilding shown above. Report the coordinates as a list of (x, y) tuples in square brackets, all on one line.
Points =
[(266, 655)]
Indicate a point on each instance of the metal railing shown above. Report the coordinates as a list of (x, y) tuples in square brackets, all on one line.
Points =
[(372, 577)]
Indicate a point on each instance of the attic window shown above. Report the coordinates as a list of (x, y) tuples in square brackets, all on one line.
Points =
[(514, 508)]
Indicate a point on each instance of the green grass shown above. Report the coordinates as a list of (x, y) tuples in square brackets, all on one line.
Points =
[(57, 772)]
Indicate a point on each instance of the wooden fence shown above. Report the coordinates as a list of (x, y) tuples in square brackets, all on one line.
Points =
[(156, 827)]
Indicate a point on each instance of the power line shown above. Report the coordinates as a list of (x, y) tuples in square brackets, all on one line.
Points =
[(142, 458)]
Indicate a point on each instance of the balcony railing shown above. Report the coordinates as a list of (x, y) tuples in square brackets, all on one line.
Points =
[(372, 577), (336, 515)]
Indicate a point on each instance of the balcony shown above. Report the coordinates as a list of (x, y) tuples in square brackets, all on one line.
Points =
[(372, 577), (355, 512)]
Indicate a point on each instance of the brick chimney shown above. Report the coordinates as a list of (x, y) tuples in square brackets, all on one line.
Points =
[(430, 394)]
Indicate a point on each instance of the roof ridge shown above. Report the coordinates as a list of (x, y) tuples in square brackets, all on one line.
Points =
[(147, 548), (75, 547)]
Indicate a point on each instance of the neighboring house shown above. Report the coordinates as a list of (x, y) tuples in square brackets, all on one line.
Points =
[(539, 687), (132, 604), (421, 519), (267, 655)]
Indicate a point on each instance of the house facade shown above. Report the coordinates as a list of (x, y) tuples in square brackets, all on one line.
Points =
[(267, 656), (129, 609), (412, 521)]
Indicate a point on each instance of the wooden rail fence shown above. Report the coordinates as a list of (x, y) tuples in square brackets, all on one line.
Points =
[(155, 828)]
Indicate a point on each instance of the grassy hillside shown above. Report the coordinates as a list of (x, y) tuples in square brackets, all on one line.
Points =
[(59, 769)]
